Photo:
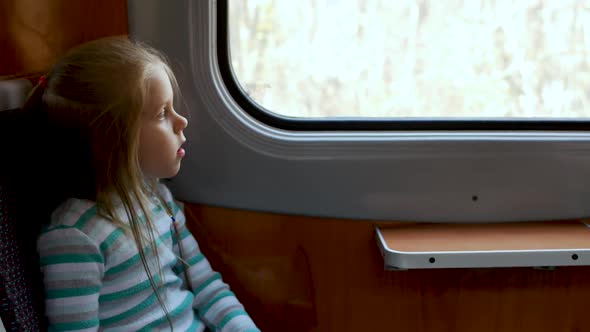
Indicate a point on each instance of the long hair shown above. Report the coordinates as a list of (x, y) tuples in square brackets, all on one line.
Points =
[(92, 99)]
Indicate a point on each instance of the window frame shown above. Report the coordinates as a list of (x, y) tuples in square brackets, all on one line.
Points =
[(278, 121)]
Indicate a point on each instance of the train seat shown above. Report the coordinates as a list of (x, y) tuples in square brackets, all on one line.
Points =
[(21, 292)]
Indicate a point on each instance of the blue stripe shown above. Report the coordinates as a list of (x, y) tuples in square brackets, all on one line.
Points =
[(191, 262), (123, 265), (184, 233), (203, 285), (231, 316), (145, 304), (194, 326), (134, 259), (71, 292), (70, 258), (85, 217), (128, 292), (74, 325), (186, 303), (110, 240), (173, 207), (217, 297)]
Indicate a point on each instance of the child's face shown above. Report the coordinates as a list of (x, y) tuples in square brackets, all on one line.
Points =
[(161, 135)]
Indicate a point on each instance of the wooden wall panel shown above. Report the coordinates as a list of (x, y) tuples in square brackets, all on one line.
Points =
[(312, 274), (34, 33)]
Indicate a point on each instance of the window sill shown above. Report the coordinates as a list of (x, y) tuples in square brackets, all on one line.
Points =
[(535, 244)]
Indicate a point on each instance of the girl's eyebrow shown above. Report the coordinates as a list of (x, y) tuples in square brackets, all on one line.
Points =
[(155, 110), (163, 105)]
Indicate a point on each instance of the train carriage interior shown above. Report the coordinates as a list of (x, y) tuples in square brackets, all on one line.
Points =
[(364, 165)]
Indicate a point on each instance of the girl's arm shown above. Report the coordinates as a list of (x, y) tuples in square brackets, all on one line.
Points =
[(214, 302), (72, 268)]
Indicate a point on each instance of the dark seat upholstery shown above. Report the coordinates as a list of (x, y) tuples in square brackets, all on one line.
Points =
[(21, 214)]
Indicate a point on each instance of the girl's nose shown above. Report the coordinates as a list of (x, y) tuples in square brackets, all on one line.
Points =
[(181, 122)]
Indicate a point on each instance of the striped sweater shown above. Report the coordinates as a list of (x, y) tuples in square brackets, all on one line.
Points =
[(95, 281)]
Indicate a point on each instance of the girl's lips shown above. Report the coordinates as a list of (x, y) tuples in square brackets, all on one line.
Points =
[(180, 152)]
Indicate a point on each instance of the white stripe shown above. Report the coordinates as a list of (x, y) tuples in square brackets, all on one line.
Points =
[(171, 300), (205, 294), (124, 253), (116, 307), (220, 305), (200, 270), (181, 323), (69, 212), (124, 282), (90, 329), (105, 230), (56, 305), (238, 323)]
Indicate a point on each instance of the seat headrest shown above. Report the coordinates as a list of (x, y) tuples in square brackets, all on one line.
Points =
[(13, 93)]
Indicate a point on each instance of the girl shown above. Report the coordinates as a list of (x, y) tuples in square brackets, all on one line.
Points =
[(116, 255)]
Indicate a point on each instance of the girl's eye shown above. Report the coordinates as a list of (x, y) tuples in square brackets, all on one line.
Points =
[(163, 114)]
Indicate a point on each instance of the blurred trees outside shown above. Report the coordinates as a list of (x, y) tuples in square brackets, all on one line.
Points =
[(414, 58)]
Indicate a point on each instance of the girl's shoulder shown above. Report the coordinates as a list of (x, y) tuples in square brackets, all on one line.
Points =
[(69, 212), (77, 213)]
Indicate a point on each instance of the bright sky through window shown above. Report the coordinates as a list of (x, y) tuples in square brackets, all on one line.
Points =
[(414, 58)]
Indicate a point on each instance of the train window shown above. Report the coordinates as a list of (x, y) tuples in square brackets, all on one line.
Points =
[(414, 59), (311, 107)]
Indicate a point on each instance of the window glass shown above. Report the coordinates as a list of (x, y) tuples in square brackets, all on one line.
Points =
[(413, 58)]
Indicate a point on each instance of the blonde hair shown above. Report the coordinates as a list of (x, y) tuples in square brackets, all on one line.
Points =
[(92, 99)]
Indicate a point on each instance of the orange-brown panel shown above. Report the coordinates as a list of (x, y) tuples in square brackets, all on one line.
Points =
[(311, 274), (34, 33)]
